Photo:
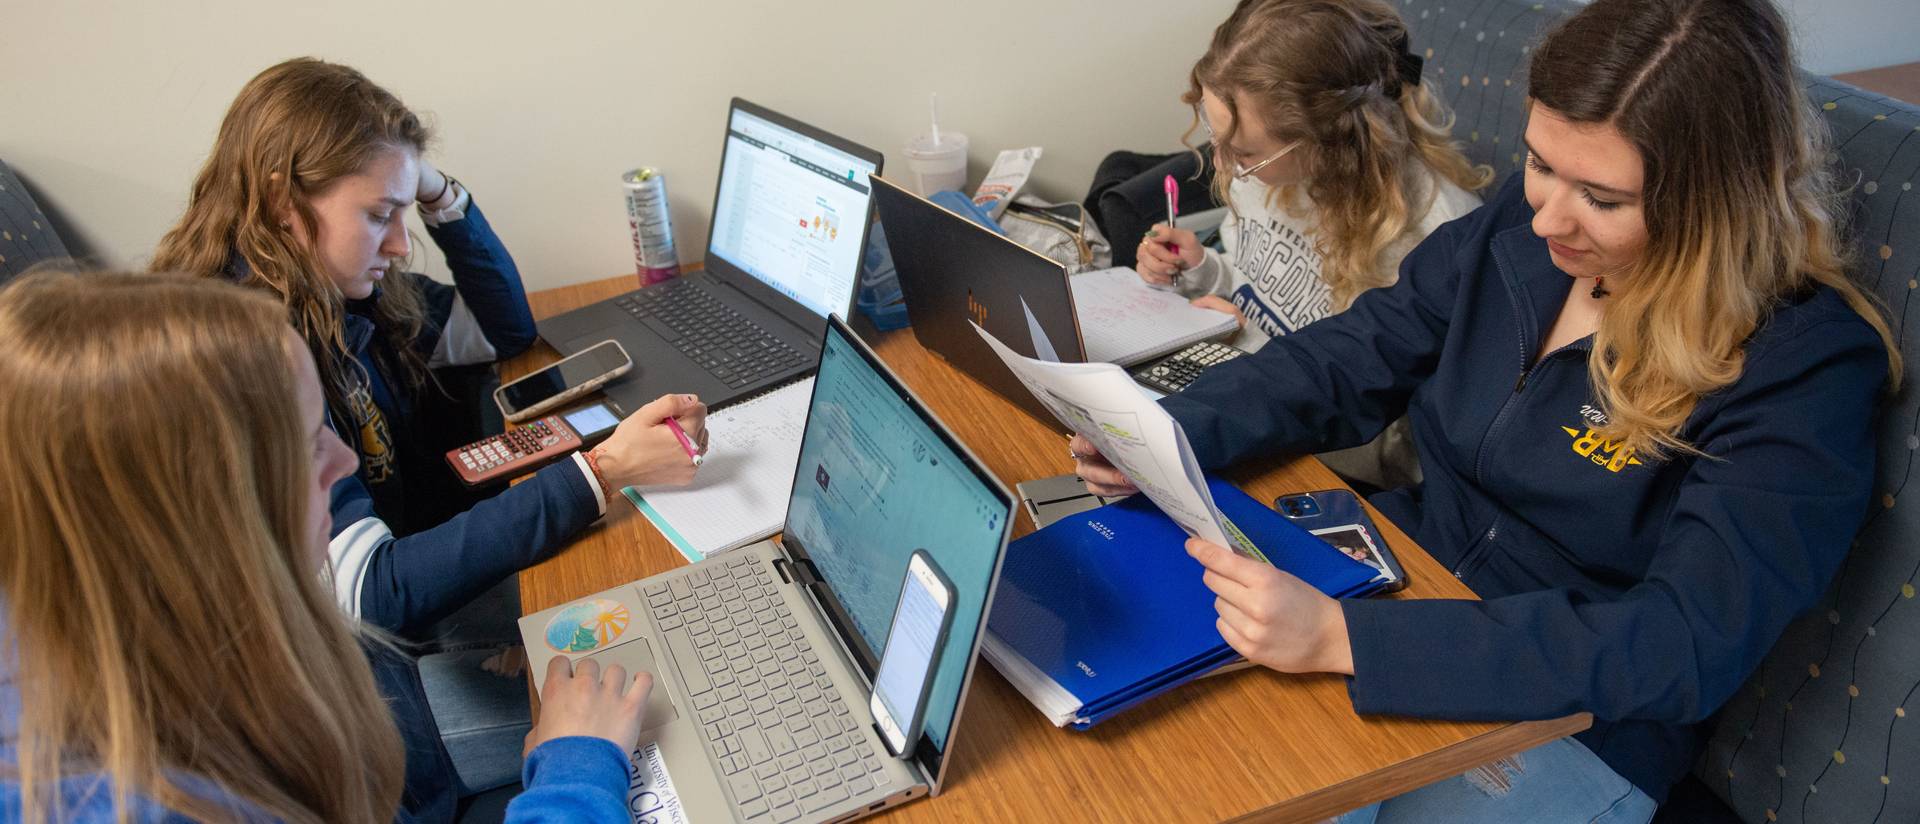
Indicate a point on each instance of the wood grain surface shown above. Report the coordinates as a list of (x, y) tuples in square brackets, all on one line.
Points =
[(1253, 745)]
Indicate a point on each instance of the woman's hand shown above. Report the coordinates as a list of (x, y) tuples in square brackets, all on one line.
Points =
[(643, 452), (580, 699), (1271, 617), (1220, 304), (1100, 476), (432, 184), (1157, 263)]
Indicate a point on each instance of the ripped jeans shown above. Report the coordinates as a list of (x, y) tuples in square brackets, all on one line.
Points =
[(1559, 781)]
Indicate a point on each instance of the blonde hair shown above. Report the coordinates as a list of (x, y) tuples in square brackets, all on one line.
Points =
[(168, 622), (1742, 210), (1329, 74), (294, 131)]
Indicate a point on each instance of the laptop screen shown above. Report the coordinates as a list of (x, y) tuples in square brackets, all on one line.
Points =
[(876, 480), (791, 212)]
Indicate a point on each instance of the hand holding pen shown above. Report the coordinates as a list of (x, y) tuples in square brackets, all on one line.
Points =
[(660, 444), (1167, 250)]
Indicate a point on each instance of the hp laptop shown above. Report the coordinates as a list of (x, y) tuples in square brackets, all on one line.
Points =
[(784, 248), (763, 656)]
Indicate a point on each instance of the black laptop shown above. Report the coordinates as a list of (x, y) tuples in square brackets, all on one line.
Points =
[(789, 229), (953, 270)]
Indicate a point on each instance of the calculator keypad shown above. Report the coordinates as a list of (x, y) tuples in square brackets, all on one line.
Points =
[(1174, 372), (508, 447)]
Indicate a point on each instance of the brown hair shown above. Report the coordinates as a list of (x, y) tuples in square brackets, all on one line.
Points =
[(1329, 73), (295, 130), (1740, 205), (167, 619)]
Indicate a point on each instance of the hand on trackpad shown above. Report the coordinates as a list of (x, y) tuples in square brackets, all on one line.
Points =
[(637, 656)]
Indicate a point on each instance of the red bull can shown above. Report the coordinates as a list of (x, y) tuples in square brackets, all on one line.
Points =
[(653, 252)]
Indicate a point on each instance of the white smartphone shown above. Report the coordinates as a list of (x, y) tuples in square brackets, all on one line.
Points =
[(919, 631), (573, 377)]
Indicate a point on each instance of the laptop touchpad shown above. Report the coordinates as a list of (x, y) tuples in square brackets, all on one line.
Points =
[(637, 656)]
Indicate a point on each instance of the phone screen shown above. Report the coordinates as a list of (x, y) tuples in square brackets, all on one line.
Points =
[(551, 381), (591, 421), (907, 660)]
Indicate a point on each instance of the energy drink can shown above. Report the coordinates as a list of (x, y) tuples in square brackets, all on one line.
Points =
[(653, 252)]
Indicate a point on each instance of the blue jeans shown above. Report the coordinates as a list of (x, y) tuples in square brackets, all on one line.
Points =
[(483, 717), (1554, 782)]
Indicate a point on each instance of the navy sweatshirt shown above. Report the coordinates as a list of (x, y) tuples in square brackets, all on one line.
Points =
[(410, 544), (1642, 591)]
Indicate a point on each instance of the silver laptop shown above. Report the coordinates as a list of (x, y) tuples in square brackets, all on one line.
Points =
[(789, 229), (763, 657)]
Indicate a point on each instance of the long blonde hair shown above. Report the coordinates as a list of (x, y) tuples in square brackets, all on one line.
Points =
[(1330, 73), (294, 131), (167, 618), (1742, 209)]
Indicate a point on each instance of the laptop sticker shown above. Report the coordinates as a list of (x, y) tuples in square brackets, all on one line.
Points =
[(588, 625)]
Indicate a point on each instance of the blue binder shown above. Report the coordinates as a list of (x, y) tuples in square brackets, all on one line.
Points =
[(1108, 605)]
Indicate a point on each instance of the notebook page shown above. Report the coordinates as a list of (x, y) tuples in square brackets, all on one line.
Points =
[(1123, 321), (740, 493)]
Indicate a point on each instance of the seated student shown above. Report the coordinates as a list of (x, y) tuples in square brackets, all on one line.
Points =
[(168, 650), (304, 196), (1642, 386), (1334, 163)]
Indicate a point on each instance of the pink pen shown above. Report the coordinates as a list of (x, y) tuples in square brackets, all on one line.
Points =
[(1173, 208), (686, 443)]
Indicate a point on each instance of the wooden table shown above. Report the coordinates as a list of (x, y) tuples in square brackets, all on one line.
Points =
[(1900, 82), (1253, 745)]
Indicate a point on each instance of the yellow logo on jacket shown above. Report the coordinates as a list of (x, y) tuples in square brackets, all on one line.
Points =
[(1602, 452)]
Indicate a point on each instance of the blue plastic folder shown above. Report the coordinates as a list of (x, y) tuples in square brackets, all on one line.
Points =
[(1107, 605)]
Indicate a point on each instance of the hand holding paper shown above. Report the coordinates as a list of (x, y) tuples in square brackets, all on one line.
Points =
[(1101, 403)]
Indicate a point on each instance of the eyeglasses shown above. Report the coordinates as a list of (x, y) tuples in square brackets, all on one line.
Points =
[(1239, 172)]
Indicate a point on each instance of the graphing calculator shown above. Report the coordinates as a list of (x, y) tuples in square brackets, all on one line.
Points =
[(1173, 372), (534, 444)]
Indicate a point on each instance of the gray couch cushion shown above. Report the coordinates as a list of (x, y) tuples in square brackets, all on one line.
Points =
[(1828, 729), (1476, 53), (26, 236)]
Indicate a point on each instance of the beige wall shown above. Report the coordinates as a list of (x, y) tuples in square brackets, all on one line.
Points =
[(107, 109)]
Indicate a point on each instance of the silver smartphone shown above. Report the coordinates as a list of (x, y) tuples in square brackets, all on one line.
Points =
[(573, 377), (921, 619)]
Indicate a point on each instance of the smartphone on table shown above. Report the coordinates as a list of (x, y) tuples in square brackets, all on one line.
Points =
[(1336, 517), (573, 377), (921, 619)]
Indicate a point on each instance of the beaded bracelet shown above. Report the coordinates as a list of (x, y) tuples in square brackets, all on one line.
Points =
[(593, 463)]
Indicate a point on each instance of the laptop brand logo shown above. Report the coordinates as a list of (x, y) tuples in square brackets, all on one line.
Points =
[(1086, 669), (976, 310), (1105, 531)]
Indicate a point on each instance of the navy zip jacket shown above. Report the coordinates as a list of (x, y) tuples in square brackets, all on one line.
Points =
[(400, 557), (1642, 591)]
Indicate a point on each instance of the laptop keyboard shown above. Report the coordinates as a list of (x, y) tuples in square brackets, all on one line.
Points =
[(710, 333), (786, 743)]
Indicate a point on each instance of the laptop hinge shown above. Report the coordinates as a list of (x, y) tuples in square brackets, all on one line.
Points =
[(802, 571)]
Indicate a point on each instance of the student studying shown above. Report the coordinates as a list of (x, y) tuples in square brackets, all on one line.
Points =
[(1334, 161), (1668, 467), (1613, 431), (172, 652), (303, 197)]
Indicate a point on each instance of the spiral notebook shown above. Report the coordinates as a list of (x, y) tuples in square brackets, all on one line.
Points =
[(740, 494), (1124, 321)]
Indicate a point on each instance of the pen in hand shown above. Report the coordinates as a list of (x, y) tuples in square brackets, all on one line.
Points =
[(686, 443), (1172, 188)]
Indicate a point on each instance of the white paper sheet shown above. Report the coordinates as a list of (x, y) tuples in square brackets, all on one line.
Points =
[(1101, 402)]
